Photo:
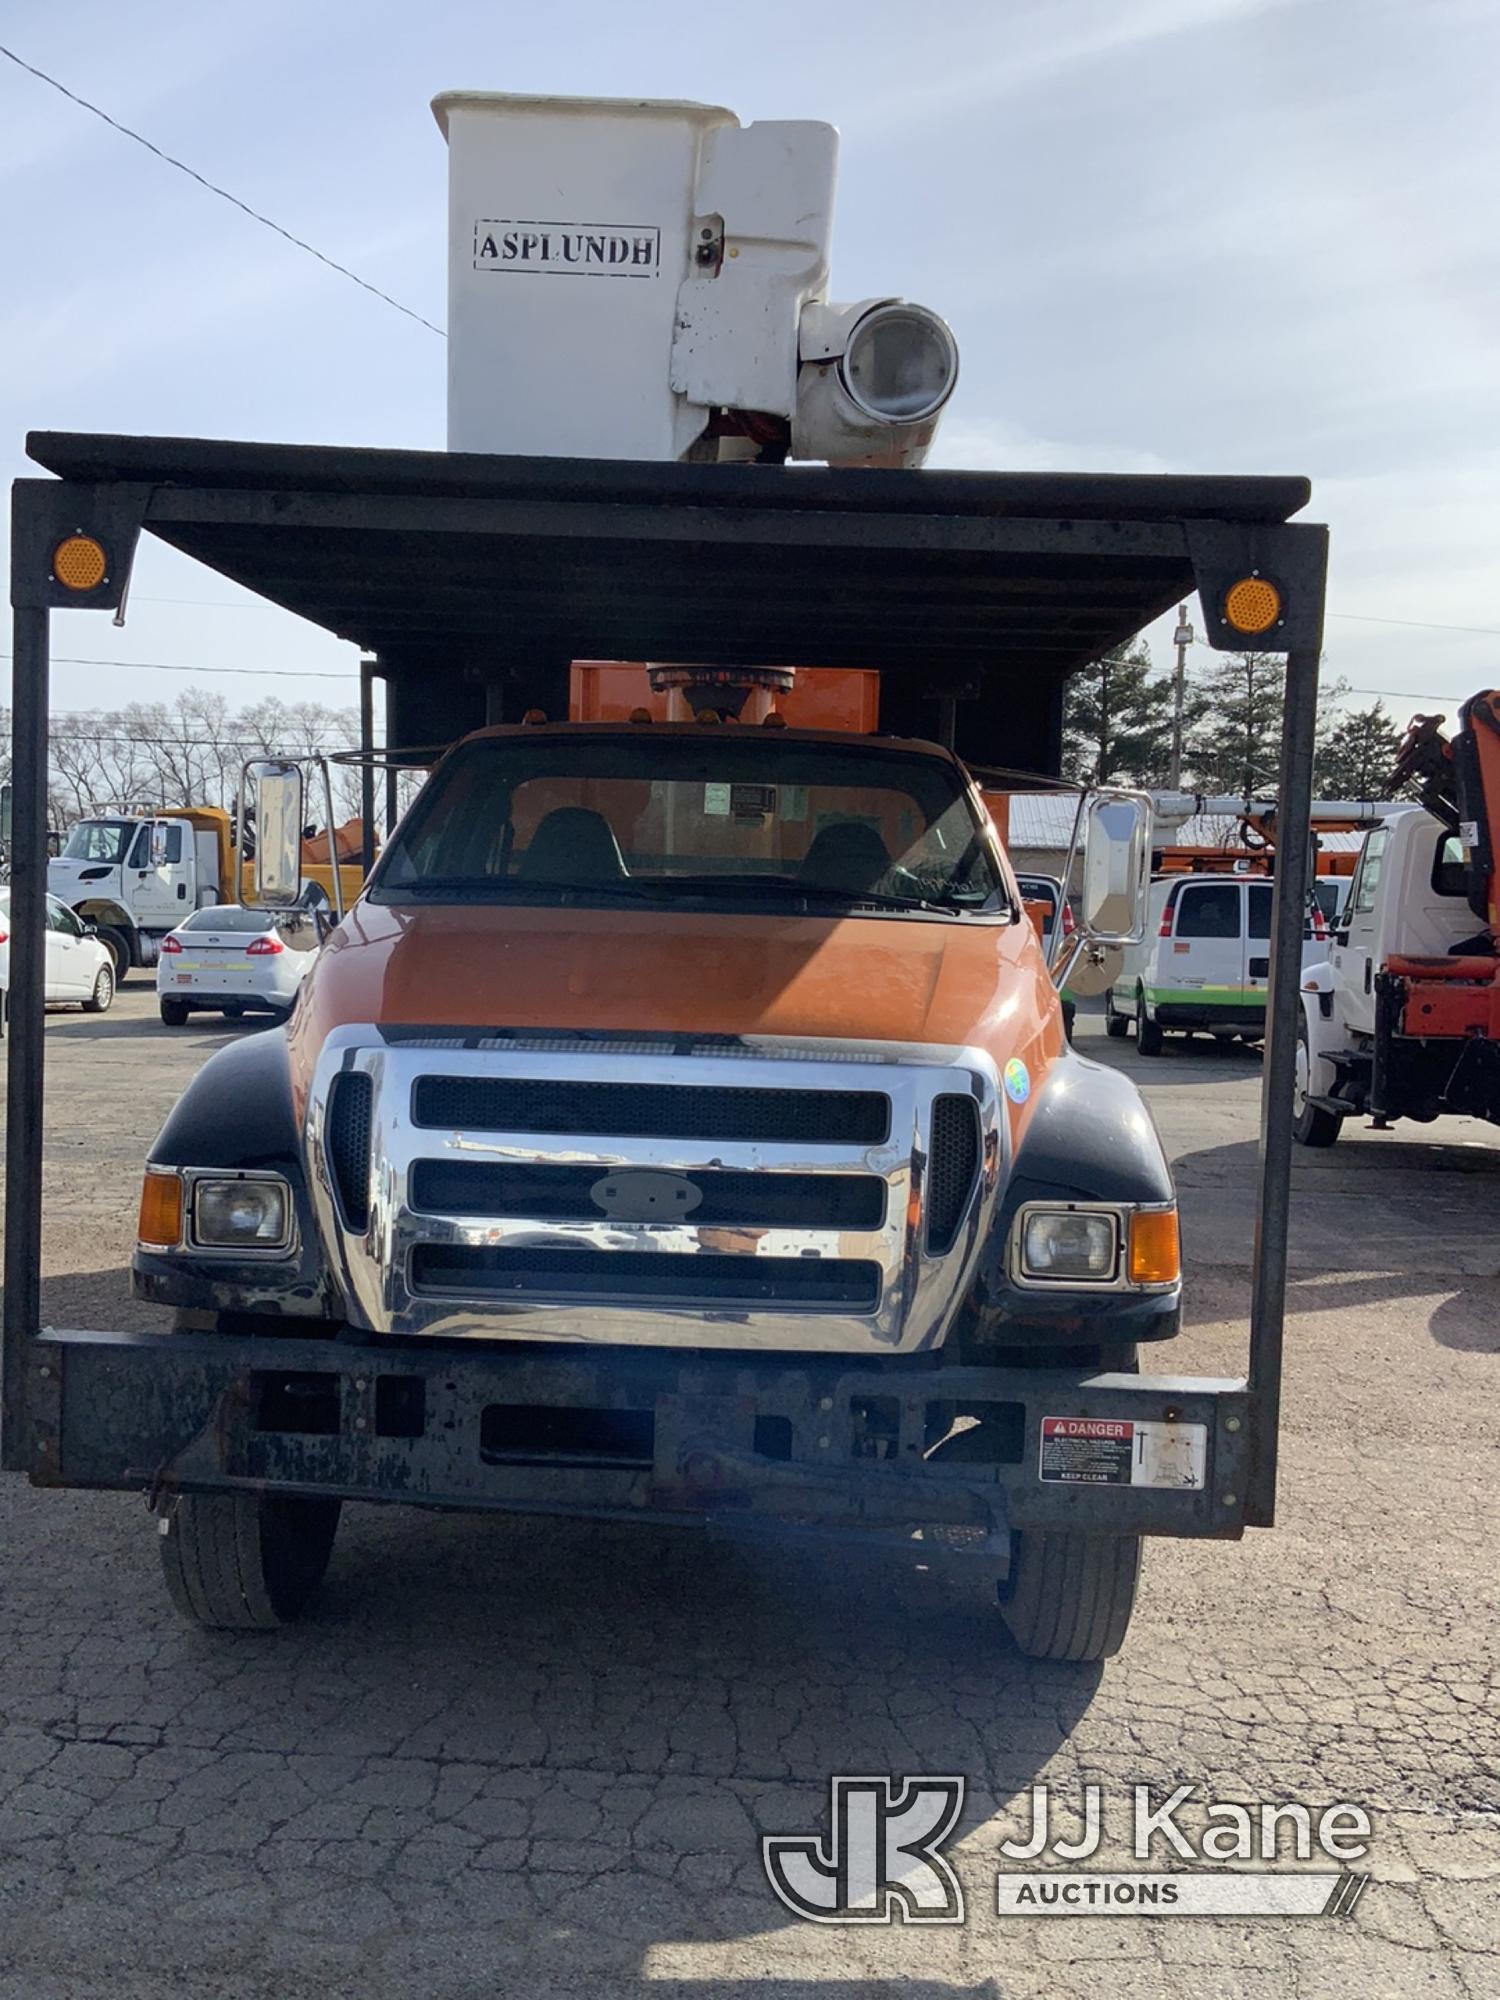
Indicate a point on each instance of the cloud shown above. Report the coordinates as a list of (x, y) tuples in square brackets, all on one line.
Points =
[(1018, 69), (79, 47)]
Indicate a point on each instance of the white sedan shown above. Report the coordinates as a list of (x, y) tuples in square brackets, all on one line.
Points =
[(233, 961), (79, 968)]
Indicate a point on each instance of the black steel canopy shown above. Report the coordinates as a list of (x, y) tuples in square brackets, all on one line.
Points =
[(475, 579)]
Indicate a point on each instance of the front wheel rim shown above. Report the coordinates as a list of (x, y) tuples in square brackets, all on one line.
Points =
[(1300, 1079)]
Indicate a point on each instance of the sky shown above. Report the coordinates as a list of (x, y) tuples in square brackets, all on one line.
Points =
[(1223, 236)]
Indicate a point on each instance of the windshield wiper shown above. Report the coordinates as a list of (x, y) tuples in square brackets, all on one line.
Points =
[(877, 899), (816, 892)]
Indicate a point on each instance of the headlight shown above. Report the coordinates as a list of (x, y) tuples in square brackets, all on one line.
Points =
[(1060, 1244), (901, 364), (242, 1215)]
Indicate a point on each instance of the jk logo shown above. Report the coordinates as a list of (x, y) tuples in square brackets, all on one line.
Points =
[(880, 1858)]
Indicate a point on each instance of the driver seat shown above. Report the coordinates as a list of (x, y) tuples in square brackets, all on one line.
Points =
[(572, 845), (848, 856)]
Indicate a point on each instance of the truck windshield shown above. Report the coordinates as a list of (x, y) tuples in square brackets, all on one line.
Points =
[(98, 840), (657, 817)]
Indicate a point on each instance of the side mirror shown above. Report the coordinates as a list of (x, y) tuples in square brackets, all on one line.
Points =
[(1116, 867), (278, 831), (88, 929)]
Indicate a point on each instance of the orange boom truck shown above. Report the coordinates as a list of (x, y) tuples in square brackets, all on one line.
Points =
[(680, 1125)]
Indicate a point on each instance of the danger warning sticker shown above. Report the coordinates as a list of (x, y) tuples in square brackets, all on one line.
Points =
[(1117, 1451)]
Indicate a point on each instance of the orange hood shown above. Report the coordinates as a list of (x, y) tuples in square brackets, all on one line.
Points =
[(860, 978)]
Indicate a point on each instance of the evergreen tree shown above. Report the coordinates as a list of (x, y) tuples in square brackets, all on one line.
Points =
[(1355, 761), (1117, 719), (1236, 744)]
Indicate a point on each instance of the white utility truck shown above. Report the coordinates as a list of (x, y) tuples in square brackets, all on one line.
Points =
[(1402, 1018), (680, 1127)]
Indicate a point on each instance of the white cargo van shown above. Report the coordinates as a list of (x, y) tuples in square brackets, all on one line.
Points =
[(1205, 964)]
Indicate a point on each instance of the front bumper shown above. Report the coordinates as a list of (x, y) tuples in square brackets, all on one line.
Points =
[(1225, 1014), (733, 1444)]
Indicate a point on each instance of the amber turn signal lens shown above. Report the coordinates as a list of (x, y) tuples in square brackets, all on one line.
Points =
[(79, 563), (1252, 605), (1155, 1255), (160, 1226)]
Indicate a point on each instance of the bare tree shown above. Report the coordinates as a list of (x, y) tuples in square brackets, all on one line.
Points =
[(188, 751)]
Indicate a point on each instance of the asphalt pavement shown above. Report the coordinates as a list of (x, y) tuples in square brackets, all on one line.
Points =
[(537, 1758)]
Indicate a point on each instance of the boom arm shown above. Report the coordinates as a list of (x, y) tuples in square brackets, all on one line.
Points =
[(1459, 784)]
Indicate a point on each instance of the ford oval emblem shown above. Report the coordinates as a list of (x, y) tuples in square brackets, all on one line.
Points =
[(643, 1195)]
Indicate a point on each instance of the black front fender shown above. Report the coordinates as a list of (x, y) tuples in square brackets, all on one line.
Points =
[(238, 1113), (1089, 1138)]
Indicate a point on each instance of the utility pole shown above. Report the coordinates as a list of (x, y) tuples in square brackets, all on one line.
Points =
[(1182, 638)]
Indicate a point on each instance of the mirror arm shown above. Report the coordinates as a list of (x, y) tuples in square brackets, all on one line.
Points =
[(1059, 942), (1063, 967), (237, 857), (333, 855)]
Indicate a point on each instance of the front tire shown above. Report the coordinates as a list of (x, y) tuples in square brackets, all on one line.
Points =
[(1070, 1596), (246, 1562), (99, 1000), (1312, 1125), (1116, 1026), (1148, 1035), (174, 1013), (117, 944)]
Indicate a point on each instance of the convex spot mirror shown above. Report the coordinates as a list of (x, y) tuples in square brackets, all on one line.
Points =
[(1094, 970), (1116, 867), (277, 795)]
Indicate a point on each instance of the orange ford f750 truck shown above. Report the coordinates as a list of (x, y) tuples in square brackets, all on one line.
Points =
[(680, 1126)]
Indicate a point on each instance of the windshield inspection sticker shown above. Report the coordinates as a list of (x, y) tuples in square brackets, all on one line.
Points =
[(1017, 1080), (1114, 1451)]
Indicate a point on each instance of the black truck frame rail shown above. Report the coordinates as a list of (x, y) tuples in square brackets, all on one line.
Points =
[(471, 583)]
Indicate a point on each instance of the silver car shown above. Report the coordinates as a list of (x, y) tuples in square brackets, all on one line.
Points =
[(234, 961)]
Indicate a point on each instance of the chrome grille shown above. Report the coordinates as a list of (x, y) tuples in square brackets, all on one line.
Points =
[(814, 1201)]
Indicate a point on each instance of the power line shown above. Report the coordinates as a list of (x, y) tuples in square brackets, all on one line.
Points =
[(223, 193), (1405, 694), (1419, 624), (165, 667), (230, 744)]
